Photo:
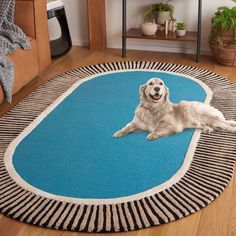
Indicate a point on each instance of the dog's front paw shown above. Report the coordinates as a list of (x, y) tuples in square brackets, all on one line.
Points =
[(152, 136), (118, 134)]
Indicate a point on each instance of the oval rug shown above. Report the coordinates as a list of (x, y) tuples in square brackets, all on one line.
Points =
[(61, 168)]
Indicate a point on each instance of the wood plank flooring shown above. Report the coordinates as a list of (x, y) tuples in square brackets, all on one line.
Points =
[(217, 219)]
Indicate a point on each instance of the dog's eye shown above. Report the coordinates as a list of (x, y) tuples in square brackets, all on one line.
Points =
[(151, 83), (161, 83)]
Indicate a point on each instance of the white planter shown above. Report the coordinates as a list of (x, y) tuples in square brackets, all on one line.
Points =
[(148, 29), (180, 33), (162, 17)]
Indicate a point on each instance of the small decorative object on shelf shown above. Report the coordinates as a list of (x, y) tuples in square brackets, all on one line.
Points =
[(222, 38), (148, 28), (180, 29), (160, 12), (172, 25), (166, 27)]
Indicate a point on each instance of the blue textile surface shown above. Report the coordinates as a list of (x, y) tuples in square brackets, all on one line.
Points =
[(72, 152)]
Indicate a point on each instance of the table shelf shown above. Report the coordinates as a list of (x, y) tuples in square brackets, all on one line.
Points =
[(135, 33)]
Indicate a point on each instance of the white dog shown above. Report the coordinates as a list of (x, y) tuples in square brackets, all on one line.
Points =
[(159, 117)]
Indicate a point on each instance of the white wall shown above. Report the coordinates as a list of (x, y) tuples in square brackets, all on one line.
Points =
[(76, 11), (185, 10), (77, 17)]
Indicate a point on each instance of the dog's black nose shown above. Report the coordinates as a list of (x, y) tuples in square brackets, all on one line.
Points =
[(157, 89)]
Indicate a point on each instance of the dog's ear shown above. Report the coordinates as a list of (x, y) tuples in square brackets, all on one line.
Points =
[(142, 90), (167, 95)]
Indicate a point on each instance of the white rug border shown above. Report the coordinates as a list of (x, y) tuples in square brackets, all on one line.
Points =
[(175, 178)]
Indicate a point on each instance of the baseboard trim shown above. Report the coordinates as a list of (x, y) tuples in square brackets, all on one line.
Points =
[(145, 47), (79, 43)]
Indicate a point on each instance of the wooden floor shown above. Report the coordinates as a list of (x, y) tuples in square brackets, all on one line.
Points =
[(217, 219)]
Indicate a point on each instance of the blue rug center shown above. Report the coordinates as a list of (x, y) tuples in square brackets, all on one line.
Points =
[(72, 152)]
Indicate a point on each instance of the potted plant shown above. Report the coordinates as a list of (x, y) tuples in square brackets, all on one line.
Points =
[(222, 38), (160, 12), (180, 29)]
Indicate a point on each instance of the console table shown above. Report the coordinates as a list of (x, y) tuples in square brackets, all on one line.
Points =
[(194, 37), (97, 29)]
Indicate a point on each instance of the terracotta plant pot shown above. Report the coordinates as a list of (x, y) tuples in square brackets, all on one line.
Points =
[(148, 29)]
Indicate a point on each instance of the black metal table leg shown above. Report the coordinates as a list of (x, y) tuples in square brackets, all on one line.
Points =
[(124, 14), (199, 27)]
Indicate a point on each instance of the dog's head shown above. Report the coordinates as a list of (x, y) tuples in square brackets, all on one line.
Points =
[(154, 92)]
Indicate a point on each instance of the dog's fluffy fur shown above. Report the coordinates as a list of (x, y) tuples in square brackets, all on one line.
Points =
[(159, 117)]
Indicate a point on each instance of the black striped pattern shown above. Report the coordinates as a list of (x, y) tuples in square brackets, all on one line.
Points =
[(208, 175)]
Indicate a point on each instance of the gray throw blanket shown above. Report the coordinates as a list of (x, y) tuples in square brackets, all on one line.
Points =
[(11, 38)]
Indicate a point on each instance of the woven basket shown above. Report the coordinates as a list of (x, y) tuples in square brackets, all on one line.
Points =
[(224, 55)]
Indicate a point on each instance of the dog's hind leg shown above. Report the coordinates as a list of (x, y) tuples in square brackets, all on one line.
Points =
[(224, 125), (129, 128), (231, 122)]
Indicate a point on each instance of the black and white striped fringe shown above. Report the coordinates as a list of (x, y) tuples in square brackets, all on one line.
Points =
[(208, 175)]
